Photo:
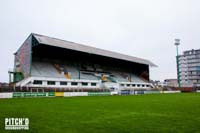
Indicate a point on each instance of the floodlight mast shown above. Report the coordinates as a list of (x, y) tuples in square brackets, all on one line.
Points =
[(177, 43)]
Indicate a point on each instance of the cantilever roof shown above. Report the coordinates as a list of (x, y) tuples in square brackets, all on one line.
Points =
[(88, 49)]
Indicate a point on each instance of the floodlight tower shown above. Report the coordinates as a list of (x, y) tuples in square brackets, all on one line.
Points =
[(177, 43)]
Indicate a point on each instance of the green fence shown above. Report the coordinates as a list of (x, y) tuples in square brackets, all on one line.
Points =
[(33, 94), (151, 92), (99, 93)]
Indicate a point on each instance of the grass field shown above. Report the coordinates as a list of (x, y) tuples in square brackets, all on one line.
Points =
[(112, 114)]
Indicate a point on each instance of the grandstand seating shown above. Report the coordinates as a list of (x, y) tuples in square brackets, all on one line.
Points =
[(118, 77), (88, 76), (68, 75), (135, 78), (70, 71), (110, 78), (44, 69)]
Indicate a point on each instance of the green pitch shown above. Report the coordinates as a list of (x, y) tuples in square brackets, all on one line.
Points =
[(169, 113)]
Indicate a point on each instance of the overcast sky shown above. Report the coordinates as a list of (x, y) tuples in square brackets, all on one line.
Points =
[(141, 28)]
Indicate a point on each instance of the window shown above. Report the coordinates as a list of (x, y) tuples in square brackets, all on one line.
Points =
[(84, 84), (122, 84), (74, 83), (93, 84), (138, 85), (133, 85), (128, 85), (147, 85), (63, 83), (51, 82), (142, 85), (37, 82)]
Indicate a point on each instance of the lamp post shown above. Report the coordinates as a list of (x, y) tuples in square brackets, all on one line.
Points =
[(177, 43)]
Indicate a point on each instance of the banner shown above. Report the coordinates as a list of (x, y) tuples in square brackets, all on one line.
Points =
[(59, 94), (71, 94), (99, 93), (33, 94), (6, 95)]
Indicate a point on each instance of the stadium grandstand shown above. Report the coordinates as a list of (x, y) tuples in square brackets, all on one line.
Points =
[(44, 63)]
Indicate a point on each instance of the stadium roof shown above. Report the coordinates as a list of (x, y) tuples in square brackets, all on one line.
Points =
[(88, 49)]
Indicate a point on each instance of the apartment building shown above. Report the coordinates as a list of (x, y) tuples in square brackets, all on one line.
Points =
[(189, 68)]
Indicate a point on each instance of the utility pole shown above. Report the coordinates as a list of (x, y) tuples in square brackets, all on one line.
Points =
[(177, 43)]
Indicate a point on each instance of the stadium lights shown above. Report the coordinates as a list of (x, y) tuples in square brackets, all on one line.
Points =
[(177, 43)]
